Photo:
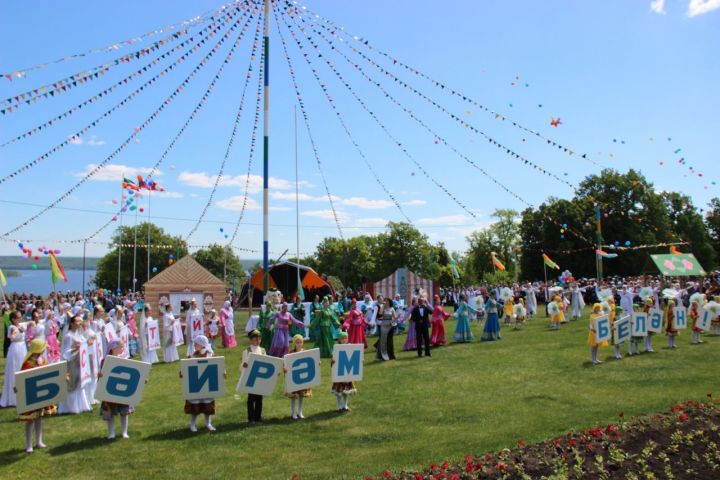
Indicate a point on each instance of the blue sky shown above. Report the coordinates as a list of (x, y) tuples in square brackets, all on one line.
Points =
[(634, 84)]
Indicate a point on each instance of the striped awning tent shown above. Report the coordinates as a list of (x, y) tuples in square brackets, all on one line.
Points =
[(404, 282)]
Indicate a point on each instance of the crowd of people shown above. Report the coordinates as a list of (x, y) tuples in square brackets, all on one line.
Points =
[(41, 331)]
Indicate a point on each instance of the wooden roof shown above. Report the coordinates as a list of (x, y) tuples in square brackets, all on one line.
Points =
[(183, 273)]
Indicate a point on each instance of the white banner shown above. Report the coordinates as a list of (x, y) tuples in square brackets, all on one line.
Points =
[(639, 324), (622, 330), (347, 362), (85, 367), (202, 378), (40, 387), (655, 320), (261, 374), (302, 370), (122, 381), (153, 334)]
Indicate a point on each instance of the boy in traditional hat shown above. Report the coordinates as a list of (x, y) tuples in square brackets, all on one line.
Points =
[(254, 402)]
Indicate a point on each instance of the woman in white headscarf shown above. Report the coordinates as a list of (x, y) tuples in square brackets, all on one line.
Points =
[(227, 325), (194, 325), (76, 401), (14, 360)]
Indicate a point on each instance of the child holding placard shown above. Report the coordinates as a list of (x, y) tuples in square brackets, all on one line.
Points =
[(342, 390), (592, 335), (299, 395), (670, 326), (254, 402), (695, 312), (35, 358), (108, 410), (206, 406), (172, 335), (213, 326), (146, 354)]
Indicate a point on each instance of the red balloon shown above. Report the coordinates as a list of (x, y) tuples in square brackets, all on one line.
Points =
[(37, 258)]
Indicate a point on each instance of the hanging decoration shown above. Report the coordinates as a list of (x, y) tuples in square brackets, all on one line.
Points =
[(168, 100)]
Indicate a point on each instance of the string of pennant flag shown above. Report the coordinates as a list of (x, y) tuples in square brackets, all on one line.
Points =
[(72, 138), (187, 23), (203, 99), (168, 100), (105, 92), (303, 12)]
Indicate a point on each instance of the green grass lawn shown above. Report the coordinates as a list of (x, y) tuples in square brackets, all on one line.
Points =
[(466, 399)]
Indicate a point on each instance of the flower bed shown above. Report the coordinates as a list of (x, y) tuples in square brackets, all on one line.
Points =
[(681, 443)]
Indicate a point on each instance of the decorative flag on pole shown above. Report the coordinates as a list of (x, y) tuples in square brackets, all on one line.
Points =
[(301, 292), (3, 280), (453, 264), (604, 254), (127, 183), (497, 262), (56, 270), (550, 263)]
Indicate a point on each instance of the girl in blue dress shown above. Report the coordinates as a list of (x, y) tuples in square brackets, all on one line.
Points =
[(462, 327), (492, 323)]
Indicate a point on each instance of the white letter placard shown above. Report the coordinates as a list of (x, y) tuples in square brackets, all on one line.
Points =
[(122, 381), (302, 370), (40, 387), (261, 374), (202, 377), (153, 335), (84, 361), (680, 318), (655, 320), (347, 362), (622, 330), (602, 329)]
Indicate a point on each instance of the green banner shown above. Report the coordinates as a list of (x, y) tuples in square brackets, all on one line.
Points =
[(678, 265)]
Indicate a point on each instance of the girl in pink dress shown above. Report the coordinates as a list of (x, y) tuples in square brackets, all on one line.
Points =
[(227, 325), (355, 324), (52, 346), (438, 324)]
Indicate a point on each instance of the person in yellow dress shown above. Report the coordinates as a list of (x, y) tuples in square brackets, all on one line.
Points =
[(592, 335), (557, 312), (509, 311)]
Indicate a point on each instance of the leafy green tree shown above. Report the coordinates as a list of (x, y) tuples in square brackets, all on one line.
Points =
[(214, 257), (687, 224), (478, 262), (507, 237), (405, 246), (162, 246), (712, 221)]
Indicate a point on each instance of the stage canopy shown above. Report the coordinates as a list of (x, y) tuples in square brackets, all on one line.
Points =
[(678, 265), (283, 276)]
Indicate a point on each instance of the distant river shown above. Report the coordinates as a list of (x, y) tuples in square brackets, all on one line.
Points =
[(38, 281)]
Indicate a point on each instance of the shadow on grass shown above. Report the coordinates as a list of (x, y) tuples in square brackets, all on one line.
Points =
[(8, 457), (80, 445)]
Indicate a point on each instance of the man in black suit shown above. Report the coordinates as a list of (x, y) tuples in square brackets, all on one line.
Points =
[(420, 316)]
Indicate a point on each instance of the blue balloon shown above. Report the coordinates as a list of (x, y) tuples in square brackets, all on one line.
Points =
[(226, 235), (170, 256), (617, 243), (562, 236), (222, 229), (154, 269), (21, 245), (627, 243)]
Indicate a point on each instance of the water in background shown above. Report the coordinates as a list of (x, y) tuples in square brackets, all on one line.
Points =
[(38, 282)]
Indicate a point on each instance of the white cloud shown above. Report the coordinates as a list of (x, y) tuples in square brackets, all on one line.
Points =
[(203, 180), (92, 142), (165, 194), (413, 203), (370, 222), (236, 203), (114, 172), (367, 204), (658, 6), (326, 214), (699, 7), (303, 197), (459, 219)]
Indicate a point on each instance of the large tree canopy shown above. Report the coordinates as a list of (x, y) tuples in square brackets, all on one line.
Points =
[(162, 246)]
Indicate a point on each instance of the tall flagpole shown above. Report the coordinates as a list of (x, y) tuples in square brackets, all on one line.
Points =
[(266, 143), (297, 207), (598, 258), (122, 205), (135, 244), (148, 237)]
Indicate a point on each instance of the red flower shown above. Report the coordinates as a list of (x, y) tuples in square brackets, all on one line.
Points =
[(683, 417), (678, 408), (521, 443), (501, 466), (572, 442), (418, 477), (433, 466), (387, 474), (611, 429), (469, 459), (488, 457), (556, 442), (595, 432), (445, 465), (469, 467), (588, 447), (455, 476)]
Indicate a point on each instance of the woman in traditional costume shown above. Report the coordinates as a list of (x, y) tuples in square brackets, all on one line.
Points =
[(227, 325), (76, 401), (324, 320), (439, 316), (14, 359), (491, 331), (463, 333), (385, 349), (172, 335), (355, 324), (282, 321)]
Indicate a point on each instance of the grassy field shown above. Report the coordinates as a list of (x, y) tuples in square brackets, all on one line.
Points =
[(466, 399)]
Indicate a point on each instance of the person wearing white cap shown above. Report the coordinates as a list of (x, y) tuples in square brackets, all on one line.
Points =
[(206, 406)]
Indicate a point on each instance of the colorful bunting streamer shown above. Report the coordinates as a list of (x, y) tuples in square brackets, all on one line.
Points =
[(168, 100)]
